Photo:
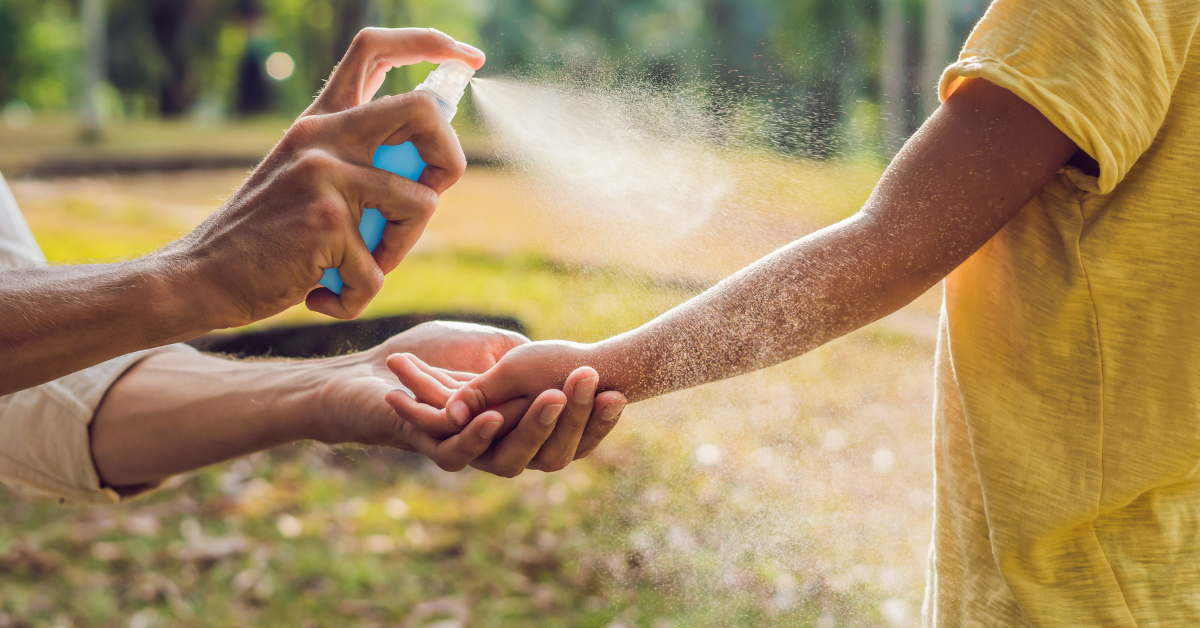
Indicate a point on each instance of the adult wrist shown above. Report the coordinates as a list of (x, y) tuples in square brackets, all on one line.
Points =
[(180, 301), (331, 409)]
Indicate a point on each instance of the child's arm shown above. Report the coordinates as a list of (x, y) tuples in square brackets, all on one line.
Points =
[(973, 165)]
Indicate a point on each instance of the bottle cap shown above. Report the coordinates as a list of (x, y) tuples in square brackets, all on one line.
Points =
[(448, 82)]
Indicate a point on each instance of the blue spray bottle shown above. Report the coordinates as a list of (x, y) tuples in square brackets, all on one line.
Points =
[(448, 82)]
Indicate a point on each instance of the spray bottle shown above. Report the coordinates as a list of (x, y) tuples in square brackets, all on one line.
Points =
[(448, 83)]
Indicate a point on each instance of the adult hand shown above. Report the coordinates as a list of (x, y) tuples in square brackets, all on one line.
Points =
[(350, 403), (265, 249), (178, 411), (548, 445)]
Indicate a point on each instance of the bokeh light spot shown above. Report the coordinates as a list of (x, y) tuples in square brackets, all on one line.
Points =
[(17, 115), (280, 65)]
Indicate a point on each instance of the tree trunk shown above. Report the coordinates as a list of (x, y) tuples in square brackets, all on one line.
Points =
[(893, 83), (95, 50), (936, 53)]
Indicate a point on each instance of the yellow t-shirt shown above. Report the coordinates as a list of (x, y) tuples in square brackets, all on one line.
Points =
[(1067, 426)]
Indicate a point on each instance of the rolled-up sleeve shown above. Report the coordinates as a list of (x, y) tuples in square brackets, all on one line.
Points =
[(45, 446), (44, 437)]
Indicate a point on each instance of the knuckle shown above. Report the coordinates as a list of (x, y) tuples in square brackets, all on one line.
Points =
[(453, 466), (344, 315), (354, 312), (303, 131), (426, 201), (364, 38), (509, 471), (312, 164), (423, 103), (555, 464), (375, 277), (325, 215), (458, 166), (434, 36)]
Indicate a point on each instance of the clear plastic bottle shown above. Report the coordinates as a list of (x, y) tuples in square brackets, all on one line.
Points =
[(448, 82)]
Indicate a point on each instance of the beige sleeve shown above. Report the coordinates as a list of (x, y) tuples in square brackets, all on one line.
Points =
[(18, 248), (45, 446), (44, 440)]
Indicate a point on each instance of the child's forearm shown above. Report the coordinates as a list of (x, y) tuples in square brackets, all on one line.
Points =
[(981, 158), (784, 305)]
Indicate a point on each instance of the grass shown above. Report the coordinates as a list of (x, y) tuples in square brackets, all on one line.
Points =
[(815, 514)]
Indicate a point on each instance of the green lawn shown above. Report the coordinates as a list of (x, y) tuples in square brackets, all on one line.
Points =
[(815, 513)]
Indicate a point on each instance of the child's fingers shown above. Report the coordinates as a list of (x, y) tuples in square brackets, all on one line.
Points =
[(456, 452), (509, 457), (481, 393), (439, 374), (432, 421), (426, 387), (605, 413)]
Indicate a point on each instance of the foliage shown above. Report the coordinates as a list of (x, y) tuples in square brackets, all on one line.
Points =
[(39, 53), (798, 64)]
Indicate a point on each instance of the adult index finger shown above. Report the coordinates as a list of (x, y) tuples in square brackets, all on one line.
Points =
[(512, 453), (375, 51), (605, 414), (456, 452)]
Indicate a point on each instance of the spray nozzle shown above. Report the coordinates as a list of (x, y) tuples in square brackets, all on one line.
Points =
[(448, 82)]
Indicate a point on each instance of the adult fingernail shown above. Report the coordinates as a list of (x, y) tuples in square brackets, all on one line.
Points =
[(468, 48), (550, 414), (612, 412), (405, 391), (585, 390), (459, 413), (489, 430)]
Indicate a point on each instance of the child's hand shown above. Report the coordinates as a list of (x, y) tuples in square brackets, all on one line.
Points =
[(526, 370), (547, 445)]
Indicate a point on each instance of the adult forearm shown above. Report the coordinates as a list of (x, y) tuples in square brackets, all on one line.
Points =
[(176, 412), (58, 320)]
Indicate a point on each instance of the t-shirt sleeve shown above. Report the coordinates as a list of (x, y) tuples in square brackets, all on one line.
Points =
[(1102, 71)]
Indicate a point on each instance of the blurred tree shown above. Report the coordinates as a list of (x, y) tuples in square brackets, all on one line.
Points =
[(95, 16), (802, 69), (159, 48), (40, 48), (253, 88)]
